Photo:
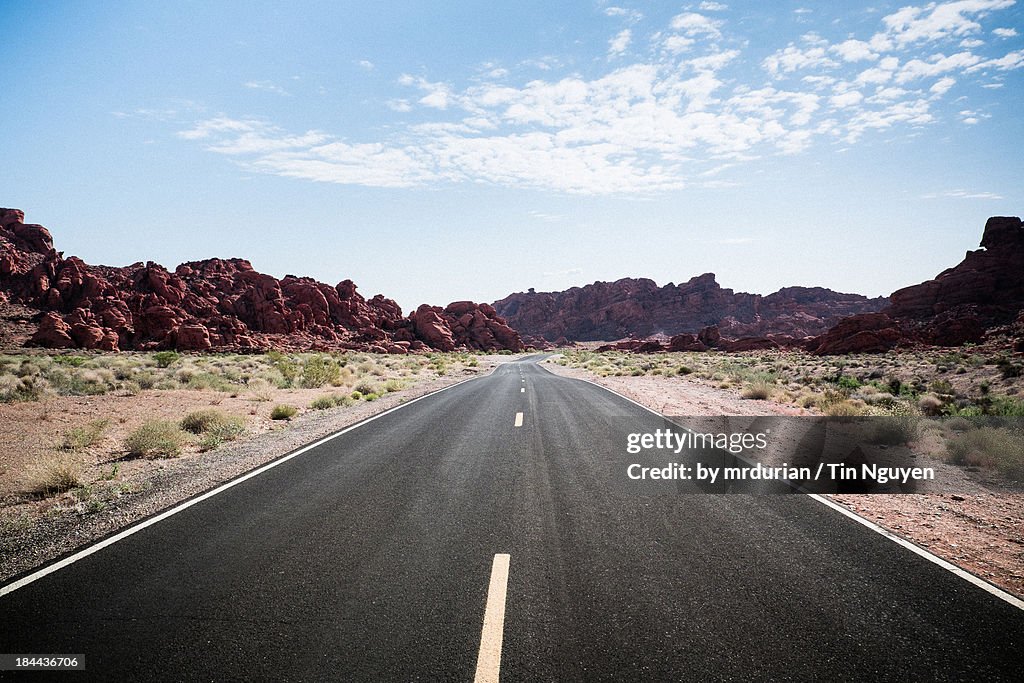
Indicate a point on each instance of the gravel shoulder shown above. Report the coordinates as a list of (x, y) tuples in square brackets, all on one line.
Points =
[(980, 529)]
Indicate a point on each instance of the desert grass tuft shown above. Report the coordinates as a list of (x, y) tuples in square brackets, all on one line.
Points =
[(77, 438), (998, 448), (283, 412), (51, 475), (156, 439)]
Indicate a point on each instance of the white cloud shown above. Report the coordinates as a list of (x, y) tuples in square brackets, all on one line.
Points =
[(206, 129), (876, 75), (630, 14), (854, 51), (791, 58), (1005, 32), (618, 44), (961, 194), (365, 64), (693, 24), (1008, 62), (846, 99), (814, 38), (438, 94), (888, 94), (708, 6), (546, 217), (942, 86), (713, 61), (266, 86), (649, 125), (935, 65), (677, 44), (937, 21)]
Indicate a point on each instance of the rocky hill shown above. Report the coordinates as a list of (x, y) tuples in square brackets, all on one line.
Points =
[(981, 297), (215, 304), (640, 308)]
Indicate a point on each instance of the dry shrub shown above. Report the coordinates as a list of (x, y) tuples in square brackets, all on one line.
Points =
[(930, 404), (760, 389), (998, 448), (77, 438), (52, 474), (261, 389)]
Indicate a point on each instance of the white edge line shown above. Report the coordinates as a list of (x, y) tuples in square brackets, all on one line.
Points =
[(914, 548), (96, 547), (918, 550), (488, 662)]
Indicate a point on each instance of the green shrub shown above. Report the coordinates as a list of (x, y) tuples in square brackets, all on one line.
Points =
[(283, 412), (78, 438), (848, 382), (320, 370), (684, 370), (71, 361), (229, 429), (322, 403), (392, 385), (289, 367), (156, 438), (164, 359), (371, 397), (1006, 406)]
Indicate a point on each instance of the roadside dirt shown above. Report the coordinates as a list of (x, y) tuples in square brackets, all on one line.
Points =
[(980, 528)]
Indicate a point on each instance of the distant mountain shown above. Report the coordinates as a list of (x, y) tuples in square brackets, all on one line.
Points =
[(606, 311), (214, 304)]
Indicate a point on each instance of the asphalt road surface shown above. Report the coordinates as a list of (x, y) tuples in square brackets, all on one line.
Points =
[(370, 558)]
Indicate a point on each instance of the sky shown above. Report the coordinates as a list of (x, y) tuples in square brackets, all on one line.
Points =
[(436, 151)]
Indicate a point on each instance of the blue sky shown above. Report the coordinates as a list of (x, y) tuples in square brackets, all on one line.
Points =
[(435, 152)]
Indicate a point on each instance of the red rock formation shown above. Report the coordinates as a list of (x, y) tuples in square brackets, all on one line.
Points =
[(867, 333), (748, 344), (218, 304), (962, 304), (686, 342), (628, 307)]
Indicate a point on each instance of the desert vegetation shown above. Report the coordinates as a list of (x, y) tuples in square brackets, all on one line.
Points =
[(976, 393), (79, 427)]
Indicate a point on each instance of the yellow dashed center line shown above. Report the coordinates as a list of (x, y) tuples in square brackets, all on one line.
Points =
[(488, 662)]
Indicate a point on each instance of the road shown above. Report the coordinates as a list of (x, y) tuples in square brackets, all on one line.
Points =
[(369, 558)]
